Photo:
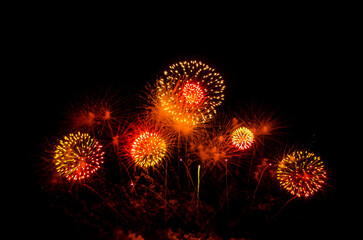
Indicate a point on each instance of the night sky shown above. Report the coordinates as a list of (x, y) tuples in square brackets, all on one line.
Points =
[(291, 69)]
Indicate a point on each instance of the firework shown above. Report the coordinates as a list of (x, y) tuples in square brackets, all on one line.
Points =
[(78, 156), (213, 145), (242, 138), (188, 94), (301, 173), (98, 111), (145, 143), (148, 149)]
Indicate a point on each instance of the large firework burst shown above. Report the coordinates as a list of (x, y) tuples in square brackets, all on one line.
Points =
[(78, 156), (188, 94), (301, 173)]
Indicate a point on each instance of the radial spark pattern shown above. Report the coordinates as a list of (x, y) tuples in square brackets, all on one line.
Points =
[(148, 149), (242, 138), (189, 92), (301, 173), (78, 156), (193, 94)]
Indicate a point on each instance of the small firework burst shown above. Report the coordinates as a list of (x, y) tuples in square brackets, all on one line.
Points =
[(78, 156), (242, 138), (148, 149), (301, 173), (188, 94)]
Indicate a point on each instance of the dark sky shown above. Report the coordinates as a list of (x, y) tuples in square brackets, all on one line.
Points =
[(292, 69)]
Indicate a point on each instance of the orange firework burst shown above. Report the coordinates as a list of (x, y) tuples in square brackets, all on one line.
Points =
[(242, 138), (213, 145), (188, 94), (148, 149), (263, 122), (301, 173), (146, 144), (101, 111), (78, 156)]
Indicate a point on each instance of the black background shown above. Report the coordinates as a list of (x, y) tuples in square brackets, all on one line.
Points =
[(292, 66)]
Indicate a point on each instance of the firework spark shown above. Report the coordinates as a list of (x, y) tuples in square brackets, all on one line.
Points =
[(242, 138), (188, 94), (78, 156), (148, 149), (301, 173)]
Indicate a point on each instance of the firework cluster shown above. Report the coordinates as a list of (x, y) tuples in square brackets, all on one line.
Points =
[(177, 132)]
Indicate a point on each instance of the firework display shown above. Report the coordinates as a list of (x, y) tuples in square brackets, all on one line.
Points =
[(189, 93), (78, 156), (148, 149), (242, 138), (301, 173), (177, 161)]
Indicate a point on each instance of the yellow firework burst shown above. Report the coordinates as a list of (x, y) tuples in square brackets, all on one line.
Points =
[(78, 156), (189, 93), (301, 173), (242, 138), (148, 149)]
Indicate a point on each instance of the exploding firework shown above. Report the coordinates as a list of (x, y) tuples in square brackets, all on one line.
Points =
[(145, 143), (148, 149), (242, 138), (78, 156), (188, 94), (301, 173), (193, 94)]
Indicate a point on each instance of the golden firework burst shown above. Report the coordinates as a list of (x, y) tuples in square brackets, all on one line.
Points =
[(78, 156), (301, 173)]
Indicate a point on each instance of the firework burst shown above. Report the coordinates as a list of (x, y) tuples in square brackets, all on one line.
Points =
[(146, 144), (301, 173), (188, 94), (242, 138), (78, 156), (148, 149)]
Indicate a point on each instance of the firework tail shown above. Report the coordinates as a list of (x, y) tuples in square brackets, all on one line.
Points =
[(254, 194), (198, 186), (278, 212)]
